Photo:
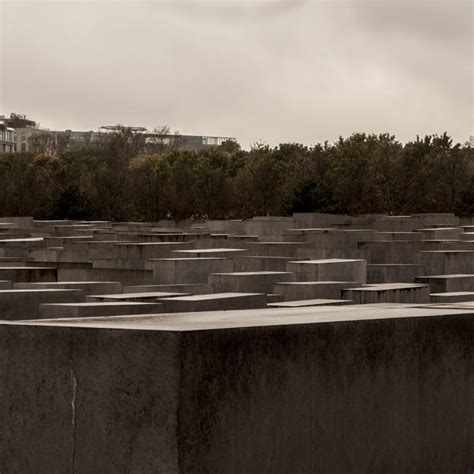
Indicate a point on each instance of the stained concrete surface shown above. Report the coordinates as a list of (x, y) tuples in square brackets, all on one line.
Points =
[(347, 389)]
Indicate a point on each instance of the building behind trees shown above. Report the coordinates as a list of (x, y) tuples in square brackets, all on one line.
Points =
[(27, 136)]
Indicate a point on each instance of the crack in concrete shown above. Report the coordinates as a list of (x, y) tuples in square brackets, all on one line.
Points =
[(73, 418)]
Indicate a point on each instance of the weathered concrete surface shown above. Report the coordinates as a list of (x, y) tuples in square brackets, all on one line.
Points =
[(88, 401), (303, 290), (247, 282), (187, 270), (393, 272), (388, 293), (28, 274), (25, 304), (87, 287), (304, 303), (95, 309), (336, 390), (214, 302), (333, 269), (448, 283), (453, 297)]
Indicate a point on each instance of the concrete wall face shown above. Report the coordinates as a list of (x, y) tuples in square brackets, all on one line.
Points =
[(383, 396), (85, 401), (391, 395)]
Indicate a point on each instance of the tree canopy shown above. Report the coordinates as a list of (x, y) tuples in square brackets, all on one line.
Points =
[(363, 173)]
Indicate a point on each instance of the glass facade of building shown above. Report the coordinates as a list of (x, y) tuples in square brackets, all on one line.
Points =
[(7, 139)]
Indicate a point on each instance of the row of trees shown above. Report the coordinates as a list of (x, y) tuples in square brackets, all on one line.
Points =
[(359, 174)]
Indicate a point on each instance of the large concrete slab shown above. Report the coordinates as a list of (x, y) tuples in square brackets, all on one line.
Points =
[(301, 290), (254, 263), (192, 288), (94, 309), (134, 296), (388, 293), (393, 272), (306, 390), (24, 304), (329, 270), (305, 303), (448, 283), (28, 274), (453, 297), (214, 302), (247, 282), (187, 270), (212, 252), (88, 287)]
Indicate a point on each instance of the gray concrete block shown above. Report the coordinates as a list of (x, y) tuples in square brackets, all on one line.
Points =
[(304, 290), (28, 274), (187, 270), (448, 283), (147, 296), (24, 304), (215, 302), (216, 393), (388, 293), (88, 287), (307, 303), (329, 270), (393, 272), (247, 282), (192, 288), (452, 297), (94, 309)]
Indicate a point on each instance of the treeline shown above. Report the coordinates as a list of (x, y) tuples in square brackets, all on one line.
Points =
[(359, 174)]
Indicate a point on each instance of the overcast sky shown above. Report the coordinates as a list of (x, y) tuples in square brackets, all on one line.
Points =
[(273, 71)]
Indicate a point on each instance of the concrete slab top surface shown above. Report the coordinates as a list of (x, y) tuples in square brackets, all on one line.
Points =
[(214, 296), (465, 306), (220, 320), (313, 302), (267, 257), (454, 293), (396, 232), (145, 294), (327, 261), (244, 274), (399, 241), (26, 239), (243, 236), (182, 259), (102, 242), (394, 265), (389, 286), (434, 229), (102, 304), (150, 244), (38, 290), (447, 251), (27, 268), (211, 250), (311, 229), (312, 283), (302, 244), (453, 275), (58, 283), (71, 237)]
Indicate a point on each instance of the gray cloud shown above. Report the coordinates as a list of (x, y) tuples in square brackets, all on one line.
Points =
[(277, 71)]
